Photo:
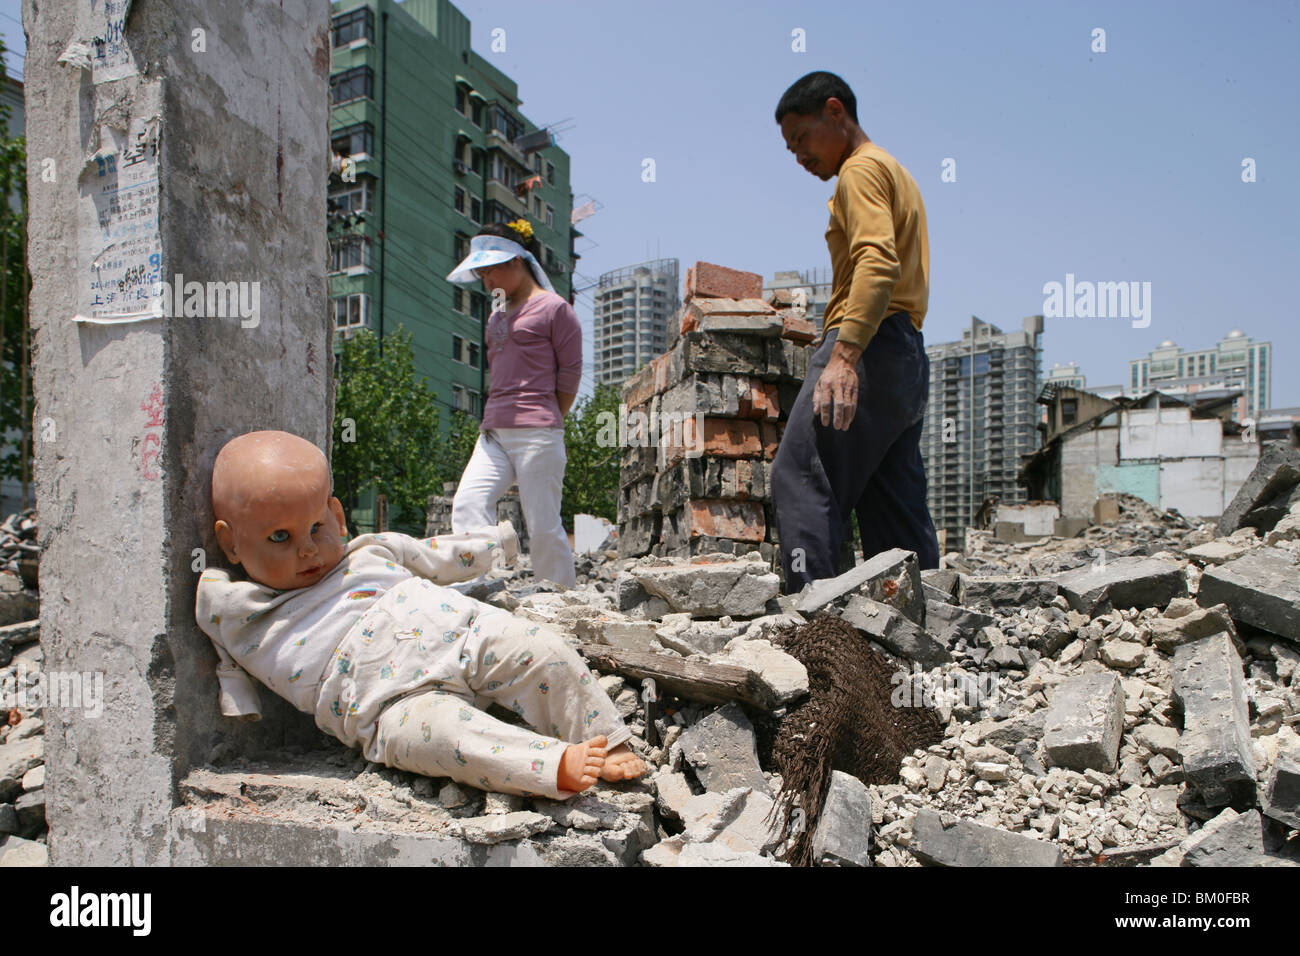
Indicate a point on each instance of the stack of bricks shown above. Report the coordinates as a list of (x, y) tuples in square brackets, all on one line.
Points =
[(704, 420)]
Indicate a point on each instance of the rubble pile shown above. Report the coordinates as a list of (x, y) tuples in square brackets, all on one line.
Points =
[(1125, 697), (704, 420)]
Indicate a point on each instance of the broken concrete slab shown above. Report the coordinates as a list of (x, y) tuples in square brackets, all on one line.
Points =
[(705, 682), (887, 626), (892, 577), (1002, 591), (1230, 839), (15, 851), (787, 677), (966, 843), (1277, 471), (948, 622), (1084, 723), (671, 794), (712, 588), (843, 836), (1169, 631), (1008, 733), (1123, 583), (723, 751), (940, 584), (16, 758), (1261, 588), (499, 827), (1216, 552), (739, 819), (1282, 792), (1215, 746)]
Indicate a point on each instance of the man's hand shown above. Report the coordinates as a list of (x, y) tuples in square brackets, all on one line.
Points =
[(836, 394)]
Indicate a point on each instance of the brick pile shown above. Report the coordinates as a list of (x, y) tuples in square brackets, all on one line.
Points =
[(732, 372)]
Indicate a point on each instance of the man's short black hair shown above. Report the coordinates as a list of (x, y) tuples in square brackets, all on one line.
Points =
[(808, 96)]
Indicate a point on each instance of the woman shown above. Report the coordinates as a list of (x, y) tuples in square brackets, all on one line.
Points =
[(534, 353)]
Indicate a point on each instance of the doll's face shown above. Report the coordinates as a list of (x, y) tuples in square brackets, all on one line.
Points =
[(280, 522)]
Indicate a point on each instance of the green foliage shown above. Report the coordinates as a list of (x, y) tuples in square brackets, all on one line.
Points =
[(14, 283), (392, 421), (591, 476)]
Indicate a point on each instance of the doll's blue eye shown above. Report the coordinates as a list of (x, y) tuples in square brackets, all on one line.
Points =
[(279, 537)]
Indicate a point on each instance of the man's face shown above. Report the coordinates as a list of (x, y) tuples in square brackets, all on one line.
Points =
[(818, 142), (287, 540)]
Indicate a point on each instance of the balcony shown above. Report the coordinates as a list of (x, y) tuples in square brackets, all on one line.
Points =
[(498, 192)]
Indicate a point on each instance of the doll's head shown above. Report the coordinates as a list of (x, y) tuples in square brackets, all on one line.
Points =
[(273, 509)]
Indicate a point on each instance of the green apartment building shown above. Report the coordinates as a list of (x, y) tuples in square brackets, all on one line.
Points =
[(429, 143)]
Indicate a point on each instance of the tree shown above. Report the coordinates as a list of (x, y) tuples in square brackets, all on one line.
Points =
[(385, 430), (591, 476), (16, 402)]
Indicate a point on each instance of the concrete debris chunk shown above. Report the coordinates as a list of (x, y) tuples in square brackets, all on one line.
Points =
[(843, 836), (787, 677), (949, 623), (1261, 588), (1171, 630), (891, 577), (499, 827), (1282, 792), (1000, 591), (1123, 583), (1084, 722), (890, 628), (1215, 746), (1230, 839), (965, 843), (722, 750), (1276, 473), (714, 589)]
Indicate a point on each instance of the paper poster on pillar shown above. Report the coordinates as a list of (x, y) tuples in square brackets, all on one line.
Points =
[(118, 227), (110, 57)]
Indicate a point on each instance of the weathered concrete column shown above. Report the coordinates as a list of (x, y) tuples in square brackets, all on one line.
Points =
[(170, 139)]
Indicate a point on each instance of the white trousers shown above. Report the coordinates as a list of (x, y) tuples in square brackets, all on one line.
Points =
[(535, 458)]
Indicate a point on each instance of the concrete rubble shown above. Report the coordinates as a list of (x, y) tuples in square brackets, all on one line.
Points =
[(1117, 715)]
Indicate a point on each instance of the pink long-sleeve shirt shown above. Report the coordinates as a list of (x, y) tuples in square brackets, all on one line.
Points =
[(532, 352)]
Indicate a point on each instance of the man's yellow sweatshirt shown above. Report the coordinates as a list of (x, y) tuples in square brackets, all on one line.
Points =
[(880, 251)]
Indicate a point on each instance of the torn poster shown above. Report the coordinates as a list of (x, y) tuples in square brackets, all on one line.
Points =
[(118, 227), (105, 54)]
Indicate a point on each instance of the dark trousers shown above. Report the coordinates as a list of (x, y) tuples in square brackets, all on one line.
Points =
[(822, 476)]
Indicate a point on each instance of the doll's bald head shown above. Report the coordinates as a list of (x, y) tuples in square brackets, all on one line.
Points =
[(273, 509)]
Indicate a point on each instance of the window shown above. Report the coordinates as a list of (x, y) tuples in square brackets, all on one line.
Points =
[(476, 160), (462, 246), (358, 24), (505, 124), (357, 197), (347, 252), (461, 200), (355, 84), (355, 140), (550, 216), (462, 99), (1069, 410), (537, 162), (464, 351), (476, 113), (550, 173), (478, 305), (465, 399), (476, 209), (351, 311), (537, 207)]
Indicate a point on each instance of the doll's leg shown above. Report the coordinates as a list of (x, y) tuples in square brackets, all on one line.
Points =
[(441, 735), (528, 668)]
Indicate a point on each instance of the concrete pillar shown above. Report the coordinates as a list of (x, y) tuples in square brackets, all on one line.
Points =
[(196, 144)]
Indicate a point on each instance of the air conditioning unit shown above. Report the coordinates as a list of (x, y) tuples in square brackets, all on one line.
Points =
[(461, 167)]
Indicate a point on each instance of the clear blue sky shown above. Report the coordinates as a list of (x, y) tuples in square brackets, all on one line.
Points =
[(1115, 166)]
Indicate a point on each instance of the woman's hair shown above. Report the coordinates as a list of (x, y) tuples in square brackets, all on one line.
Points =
[(502, 231)]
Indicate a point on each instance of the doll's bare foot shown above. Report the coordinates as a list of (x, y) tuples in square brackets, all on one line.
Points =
[(622, 764), (582, 764)]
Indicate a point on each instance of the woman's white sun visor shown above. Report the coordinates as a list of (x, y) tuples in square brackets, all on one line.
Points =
[(491, 251)]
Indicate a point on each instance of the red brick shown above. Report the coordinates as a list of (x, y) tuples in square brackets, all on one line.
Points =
[(758, 399), (723, 438), (771, 438), (724, 518), (647, 383), (708, 280), (798, 329)]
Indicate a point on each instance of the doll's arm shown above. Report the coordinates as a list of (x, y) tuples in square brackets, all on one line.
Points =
[(238, 692), (448, 558)]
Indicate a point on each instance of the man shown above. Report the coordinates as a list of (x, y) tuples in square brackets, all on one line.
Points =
[(852, 441)]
